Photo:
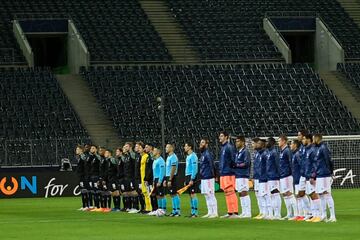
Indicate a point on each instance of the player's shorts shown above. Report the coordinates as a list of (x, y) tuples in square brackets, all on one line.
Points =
[(227, 182), (286, 184), (159, 191), (84, 183), (263, 189), (127, 185), (256, 184), (192, 189), (302, 184), (94, 183), (273, 185), (113, 184), (207, 186), (173, 189), (242, 184), (323, 184), (310, 188)]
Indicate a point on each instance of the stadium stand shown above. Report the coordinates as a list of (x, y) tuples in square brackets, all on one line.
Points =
[(255, 100), (232, 29), (352, 73), (113, 32), (36, 118)]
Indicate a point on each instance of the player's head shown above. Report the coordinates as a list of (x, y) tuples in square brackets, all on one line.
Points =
[(308, 138), (301, 134), (93, 149), (240, 142), (254, 143), (139, 147), (102, 151), (188, 147), (79, 149), (87, 148), (169, 148), (127, 147), (317, 138), (261, 144), (156, 152), (223, 137), (149, 148), (270, 142), (295, 144), (204, 144), (282, 140), (107, 153), (118, 152)]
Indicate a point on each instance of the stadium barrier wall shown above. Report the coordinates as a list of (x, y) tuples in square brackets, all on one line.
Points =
[(277, 39), (23, 43), (48, 182), (78, 54), (328, 51)]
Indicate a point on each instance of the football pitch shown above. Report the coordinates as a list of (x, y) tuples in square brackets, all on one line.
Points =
[(57, 218)]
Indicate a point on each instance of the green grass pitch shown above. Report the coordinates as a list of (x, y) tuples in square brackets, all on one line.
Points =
[(57, 218)]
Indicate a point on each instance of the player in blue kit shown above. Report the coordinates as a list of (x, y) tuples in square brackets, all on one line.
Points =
[(242, 174), (158, 181), (256, 173), (207, 174), (286, 178), (273, 175), (323, 172), (191, 171), (171, 175)]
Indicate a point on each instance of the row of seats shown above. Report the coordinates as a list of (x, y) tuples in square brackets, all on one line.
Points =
[(352, 72), (34, 113), (200, 100), (226, 29), (113, 30)]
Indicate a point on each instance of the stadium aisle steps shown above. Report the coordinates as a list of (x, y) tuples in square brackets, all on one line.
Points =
[(170, 31), (89, 111), (337, 83), (352, 7)]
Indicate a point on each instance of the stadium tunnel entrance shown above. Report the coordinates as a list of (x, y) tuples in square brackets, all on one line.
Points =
[(54, 43), (304, 39)]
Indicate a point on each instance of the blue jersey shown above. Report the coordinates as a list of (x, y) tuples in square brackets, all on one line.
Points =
[(257, 158), (171, 161), (296, 166), (191, 167), (242, 163), (272, 164), (159, 169), (324, 165), (309, 161), (285, 162), (263, 172), (207, 168), (227, 155), (302, 160)]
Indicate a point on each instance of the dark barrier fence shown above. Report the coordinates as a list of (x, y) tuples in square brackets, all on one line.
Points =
[(50, 182)]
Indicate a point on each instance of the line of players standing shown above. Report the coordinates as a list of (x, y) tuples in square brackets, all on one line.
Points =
[(141, 177)]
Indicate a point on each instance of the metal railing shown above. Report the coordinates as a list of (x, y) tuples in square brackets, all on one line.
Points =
[(37, 152)]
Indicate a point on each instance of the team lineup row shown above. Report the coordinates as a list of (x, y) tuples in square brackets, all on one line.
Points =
[(300, 172)]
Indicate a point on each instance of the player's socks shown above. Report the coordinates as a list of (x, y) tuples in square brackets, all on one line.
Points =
[(247, 205), (331, 205), (124, 200), (135, 202), (142, 202), (300, 207), (306, 205), (259, 202), (97, 199), (288, 206), (213, 203), (269, 209), (195, 204), (108, 199), (323, 206), (154, 203), (164, 204), (276, 204), (177, 204), (90, 198), (116, 203), (173, 205), (293, 204), (192, 206), (84, 199), (316, 207)]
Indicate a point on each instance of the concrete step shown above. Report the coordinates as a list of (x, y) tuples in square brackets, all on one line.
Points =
[(337, 84), (93, 118), (170, 31)]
